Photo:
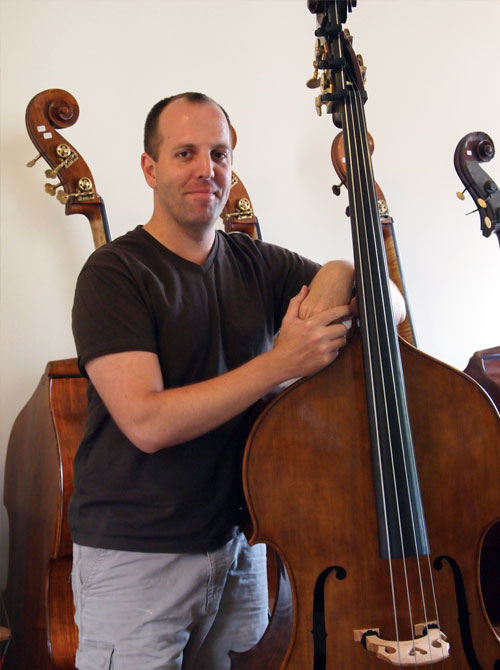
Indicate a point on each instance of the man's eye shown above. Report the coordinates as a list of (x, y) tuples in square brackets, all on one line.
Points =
[(182, 154), (220, 155)]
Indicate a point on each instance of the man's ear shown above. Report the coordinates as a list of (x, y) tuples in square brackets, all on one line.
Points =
[(148, 166)]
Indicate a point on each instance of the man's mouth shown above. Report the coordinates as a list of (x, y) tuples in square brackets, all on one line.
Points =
[(202, 194)]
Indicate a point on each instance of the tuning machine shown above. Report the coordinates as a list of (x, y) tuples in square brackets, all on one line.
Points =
[(32, 162), (324, 81), (85, 192), (52, 188), (489, 189), (243, 210), (313, 82), (68, 157), (337, 189), (362, 67), (326, 86)]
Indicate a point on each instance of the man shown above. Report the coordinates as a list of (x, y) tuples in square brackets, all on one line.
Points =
[(174, 325)]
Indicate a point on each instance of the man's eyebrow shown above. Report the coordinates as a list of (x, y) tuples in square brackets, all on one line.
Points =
[(191, 145), (184, 145)]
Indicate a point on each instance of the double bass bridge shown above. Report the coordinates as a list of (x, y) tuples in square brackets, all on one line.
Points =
[(429, 646)]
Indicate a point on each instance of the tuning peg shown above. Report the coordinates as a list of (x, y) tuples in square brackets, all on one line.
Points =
[(318, 103), (337, 188), (362, 67), (472, 212), (460, 194), (68, 158), (243, 210), (85, 192), (489, 188), (482, 204), (319, 53), (383, 209), (52, 188), (64, 197), (314, 82), (32, 162), (52, 174)]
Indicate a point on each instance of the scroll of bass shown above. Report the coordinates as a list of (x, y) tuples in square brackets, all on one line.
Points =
[(238, 214), (45, 435), (370, 479), (405, 328), (472, 150)]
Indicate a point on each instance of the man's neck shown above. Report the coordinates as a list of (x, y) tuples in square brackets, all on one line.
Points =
[(193, 245)]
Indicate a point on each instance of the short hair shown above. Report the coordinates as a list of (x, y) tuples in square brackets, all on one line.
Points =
[(152, 140)]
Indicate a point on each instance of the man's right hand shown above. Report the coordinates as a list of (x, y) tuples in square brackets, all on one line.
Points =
[(307, 345)]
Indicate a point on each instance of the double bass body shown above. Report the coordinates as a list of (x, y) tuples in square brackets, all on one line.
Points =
[(309, 486)]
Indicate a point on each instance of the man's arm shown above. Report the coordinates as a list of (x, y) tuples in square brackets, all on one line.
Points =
[(333, 285), (130, 383)]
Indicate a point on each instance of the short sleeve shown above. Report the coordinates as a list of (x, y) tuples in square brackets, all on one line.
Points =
[(109, 314)]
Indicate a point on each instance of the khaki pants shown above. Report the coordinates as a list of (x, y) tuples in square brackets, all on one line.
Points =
[(142, 611)]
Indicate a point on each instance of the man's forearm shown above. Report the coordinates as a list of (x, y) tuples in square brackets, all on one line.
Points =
[(332, 286)]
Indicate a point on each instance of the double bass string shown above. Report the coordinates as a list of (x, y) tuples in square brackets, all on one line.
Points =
[(351, 151), (362, 166), (383, 273), (355, 168)]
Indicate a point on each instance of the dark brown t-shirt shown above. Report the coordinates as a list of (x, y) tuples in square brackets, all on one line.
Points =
[(134, 294)]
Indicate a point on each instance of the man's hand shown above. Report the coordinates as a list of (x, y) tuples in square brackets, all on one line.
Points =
[(308, 344), (331, 287)]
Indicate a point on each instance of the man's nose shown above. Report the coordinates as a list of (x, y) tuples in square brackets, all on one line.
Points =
[(205, 166)]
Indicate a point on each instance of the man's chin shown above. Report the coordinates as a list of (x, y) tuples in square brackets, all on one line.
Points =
[(207, 216)]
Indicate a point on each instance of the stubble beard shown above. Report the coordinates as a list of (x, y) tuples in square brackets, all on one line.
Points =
[(197, 221)]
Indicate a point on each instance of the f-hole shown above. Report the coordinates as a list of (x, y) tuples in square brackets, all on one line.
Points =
[(489, 574), (319, 625)]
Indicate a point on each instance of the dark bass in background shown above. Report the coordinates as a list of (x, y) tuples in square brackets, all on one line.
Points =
[(472, 150), (370, 479), (484, 366)]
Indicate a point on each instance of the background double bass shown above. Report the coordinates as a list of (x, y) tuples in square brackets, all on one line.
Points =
[(405, 328), (472, 150), (46, 434)]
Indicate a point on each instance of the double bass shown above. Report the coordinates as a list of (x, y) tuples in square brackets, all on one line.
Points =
[(45, 435), (472, 150), (484, 366), (376, 479)]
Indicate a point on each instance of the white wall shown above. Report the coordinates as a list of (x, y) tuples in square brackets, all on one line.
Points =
[(432, 78)]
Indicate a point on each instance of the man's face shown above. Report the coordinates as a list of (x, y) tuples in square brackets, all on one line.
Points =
[(192, 174)]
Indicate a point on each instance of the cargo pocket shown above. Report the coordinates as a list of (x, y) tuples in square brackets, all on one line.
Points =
[(93, 655)]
